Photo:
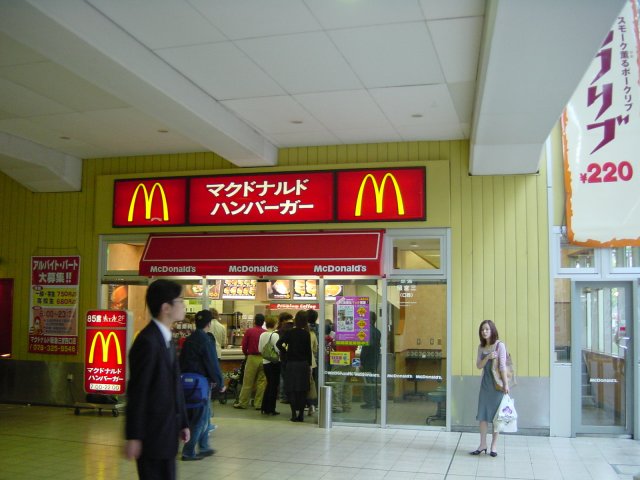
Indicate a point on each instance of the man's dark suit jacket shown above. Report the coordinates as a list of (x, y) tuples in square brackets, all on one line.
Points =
[(155, 402)]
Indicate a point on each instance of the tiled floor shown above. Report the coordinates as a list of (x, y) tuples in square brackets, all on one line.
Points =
[(53, 443)]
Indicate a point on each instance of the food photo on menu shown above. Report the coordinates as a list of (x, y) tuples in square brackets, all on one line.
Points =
[(279, 290), (239, 289), (304, 289), (332, 291)]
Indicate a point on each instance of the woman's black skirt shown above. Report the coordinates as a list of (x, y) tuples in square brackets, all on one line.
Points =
[(296, 376)]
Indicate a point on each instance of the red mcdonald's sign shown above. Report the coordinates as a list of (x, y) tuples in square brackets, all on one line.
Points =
[(105, 355), (149, 202), (382, 195), (371, 195)]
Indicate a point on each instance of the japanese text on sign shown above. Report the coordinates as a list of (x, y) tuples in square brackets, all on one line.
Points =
[(601, 144)]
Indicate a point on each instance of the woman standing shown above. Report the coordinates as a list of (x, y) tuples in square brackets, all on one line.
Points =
[(297, 345), (489, 350), (271, 369)]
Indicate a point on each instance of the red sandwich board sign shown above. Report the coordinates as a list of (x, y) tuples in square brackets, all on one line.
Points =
[(106, 352)]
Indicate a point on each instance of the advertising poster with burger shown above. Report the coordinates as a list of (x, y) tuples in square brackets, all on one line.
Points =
[(53, 322)]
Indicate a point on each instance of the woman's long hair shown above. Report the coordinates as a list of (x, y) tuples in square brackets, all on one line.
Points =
[(494, 333), (301, 321)]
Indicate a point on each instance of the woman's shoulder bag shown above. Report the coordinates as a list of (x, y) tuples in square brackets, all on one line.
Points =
[(510, 371)]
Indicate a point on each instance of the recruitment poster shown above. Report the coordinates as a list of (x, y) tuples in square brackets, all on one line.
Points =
[(352, 323), (53, 322), (602, 145)]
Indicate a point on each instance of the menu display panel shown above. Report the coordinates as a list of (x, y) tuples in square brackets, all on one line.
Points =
[(279, 290), (238, 289)]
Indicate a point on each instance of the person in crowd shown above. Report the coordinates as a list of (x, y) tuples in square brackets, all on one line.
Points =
[(271, 369), (295, 345), (198, 355), (340, 376), (489, 350), (156, 416), (370, 363), (312, 401), (219, 332), (329, 346), (253, 370), (285, 322)]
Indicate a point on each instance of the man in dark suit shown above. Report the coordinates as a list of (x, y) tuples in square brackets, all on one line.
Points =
[(156, 415)]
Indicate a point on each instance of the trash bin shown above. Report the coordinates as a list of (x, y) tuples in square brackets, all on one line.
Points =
[(324, 407)]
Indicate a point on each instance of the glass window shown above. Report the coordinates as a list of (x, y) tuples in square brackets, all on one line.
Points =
[(625, 257), (124, 256), (416, 254), (575, 257), (352, 342), (562, 325)]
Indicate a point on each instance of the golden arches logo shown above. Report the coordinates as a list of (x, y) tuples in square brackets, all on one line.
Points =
[(148, 201), (105, 347), (378, 191)]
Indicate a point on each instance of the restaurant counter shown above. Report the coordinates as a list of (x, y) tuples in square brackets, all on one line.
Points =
[(234, 353)]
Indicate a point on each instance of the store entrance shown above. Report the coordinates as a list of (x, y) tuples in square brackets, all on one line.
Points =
[(602, 364), (416, 352)]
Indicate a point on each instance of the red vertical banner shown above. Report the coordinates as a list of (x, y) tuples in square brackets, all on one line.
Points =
[(105, 357), (53, 323)]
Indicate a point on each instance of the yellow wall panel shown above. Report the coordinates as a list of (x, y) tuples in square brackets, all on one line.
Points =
[(498, 227)]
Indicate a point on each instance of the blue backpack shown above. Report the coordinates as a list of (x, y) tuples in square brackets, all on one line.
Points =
[(195, 388)]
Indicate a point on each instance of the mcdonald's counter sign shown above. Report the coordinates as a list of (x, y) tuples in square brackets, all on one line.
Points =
[(371, 195), (105, 352)]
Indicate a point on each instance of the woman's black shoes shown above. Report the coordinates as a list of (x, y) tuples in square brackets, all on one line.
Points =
[(478, 452), (493, 454)]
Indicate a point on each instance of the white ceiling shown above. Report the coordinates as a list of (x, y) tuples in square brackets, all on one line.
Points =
[(242, 78)]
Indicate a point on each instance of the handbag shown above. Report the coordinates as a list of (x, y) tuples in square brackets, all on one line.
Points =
[(506, 417), (269, 352), (312, 394), (510, 371)]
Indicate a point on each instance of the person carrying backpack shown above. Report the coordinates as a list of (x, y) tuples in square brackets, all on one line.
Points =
[(198, 356)]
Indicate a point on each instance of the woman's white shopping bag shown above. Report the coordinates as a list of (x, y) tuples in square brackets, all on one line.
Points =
[(506, 418)]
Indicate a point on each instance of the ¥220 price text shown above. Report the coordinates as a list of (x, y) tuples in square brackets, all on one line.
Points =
[(607, 172)]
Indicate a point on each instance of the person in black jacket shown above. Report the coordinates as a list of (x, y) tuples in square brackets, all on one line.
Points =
[(199, 355), (370, 363), (295, 346), (156, 415)]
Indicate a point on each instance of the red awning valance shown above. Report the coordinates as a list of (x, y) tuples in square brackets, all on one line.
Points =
[(353, 253)]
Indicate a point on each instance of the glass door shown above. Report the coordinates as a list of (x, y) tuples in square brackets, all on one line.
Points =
[(602, 363), (416, 352), (352, 349)]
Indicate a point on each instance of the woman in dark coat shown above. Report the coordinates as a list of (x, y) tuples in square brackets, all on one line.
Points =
[(295, 345)]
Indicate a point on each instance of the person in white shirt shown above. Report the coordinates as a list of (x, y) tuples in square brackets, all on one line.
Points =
[(219, 332), (271, 369)]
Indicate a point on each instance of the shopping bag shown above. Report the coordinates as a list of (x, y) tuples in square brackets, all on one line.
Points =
[(506, 418), (312, 394)]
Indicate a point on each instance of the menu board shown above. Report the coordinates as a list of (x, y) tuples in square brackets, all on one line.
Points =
[(279, 290), (305, 289), (332, 291), (193, 291), (214, 289), (238, 289)]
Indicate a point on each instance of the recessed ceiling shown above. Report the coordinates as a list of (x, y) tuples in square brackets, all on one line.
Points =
[(97, 78)]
